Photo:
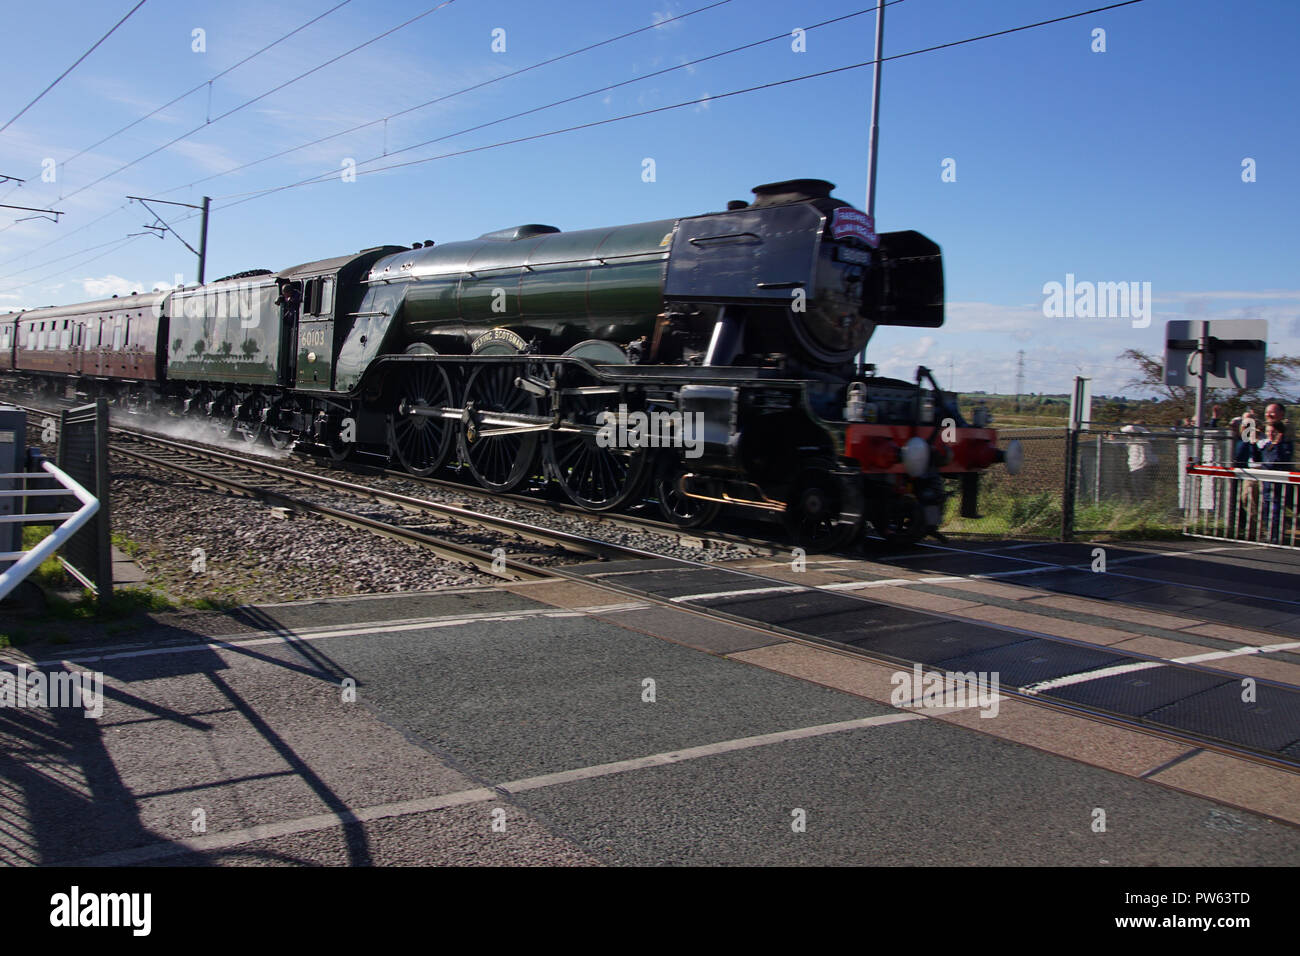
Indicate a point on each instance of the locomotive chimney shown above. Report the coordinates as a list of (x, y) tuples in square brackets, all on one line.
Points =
[(792, 190)]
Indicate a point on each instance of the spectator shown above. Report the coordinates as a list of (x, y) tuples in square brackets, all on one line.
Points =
[(1243, 497), (1250, 426), (1141, 460), (1277, 454), (1276, 412)]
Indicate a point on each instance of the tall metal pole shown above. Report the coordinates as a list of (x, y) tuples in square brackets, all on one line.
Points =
[(203, 238), (159, 226), (1204, 355), (874, 137), (873, 143)]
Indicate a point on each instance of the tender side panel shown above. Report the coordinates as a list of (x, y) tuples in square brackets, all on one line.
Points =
[(228, 332)]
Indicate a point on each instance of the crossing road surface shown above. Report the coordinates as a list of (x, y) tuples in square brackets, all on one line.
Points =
[(561, 724)]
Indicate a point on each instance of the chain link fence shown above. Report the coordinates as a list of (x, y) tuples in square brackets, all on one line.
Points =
[(1126, 483)]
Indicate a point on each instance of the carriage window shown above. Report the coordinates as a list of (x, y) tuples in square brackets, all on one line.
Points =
[(65, 334), (117, 334)]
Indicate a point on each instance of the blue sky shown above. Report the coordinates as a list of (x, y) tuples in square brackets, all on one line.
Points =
[(1115, 166)]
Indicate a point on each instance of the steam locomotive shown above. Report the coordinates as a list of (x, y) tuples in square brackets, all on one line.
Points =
[(699, 362)]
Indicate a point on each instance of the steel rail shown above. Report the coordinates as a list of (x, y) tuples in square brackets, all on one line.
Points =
[(507, 568), (567, 540)]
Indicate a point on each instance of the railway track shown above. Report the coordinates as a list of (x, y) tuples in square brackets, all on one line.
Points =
[(283, 487), (694, 538), (1047, 670)]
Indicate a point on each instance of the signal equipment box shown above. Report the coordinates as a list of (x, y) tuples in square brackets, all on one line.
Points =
[(13, 459)]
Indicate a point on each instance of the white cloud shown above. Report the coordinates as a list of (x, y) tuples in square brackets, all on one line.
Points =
[(661, 18), (1267, 294), (110, 285)]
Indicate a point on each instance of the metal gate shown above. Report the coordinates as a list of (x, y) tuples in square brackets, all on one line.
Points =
[(1242, 504), (83, 455)]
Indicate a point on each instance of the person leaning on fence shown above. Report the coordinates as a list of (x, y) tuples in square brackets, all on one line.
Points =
[(1276, 413), (1141, 460), (1243, 493), (1277, 454)]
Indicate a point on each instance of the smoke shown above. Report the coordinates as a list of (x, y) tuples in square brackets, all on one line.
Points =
[(200, 431)]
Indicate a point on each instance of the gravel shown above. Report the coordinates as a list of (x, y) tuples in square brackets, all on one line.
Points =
[(197, 543)]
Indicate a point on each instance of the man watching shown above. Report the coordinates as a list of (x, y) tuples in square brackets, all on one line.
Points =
[(1277, 454)]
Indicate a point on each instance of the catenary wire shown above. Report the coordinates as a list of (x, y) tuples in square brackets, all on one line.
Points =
[(327, 176), (259, 97), (57, 79)]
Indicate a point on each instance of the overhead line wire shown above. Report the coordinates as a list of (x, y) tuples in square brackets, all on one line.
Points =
[(536, 109), (172, 102), (73, 67), (447, 96), (60, 238), (121, 243), (262, 96), (248, 197), (325, 177), (207, 82)]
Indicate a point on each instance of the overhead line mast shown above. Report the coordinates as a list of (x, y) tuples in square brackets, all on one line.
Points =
[(874, 136)]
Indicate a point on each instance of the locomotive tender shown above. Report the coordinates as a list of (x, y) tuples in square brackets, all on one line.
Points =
[(515, 356)]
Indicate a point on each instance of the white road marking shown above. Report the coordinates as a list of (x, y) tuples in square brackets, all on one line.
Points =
[(262, 638), (614, 608), (1237, 652), (706, 750), (786, 589), (615, 574), (1085, 676), (863, 585), (322, 821), (1082, 678)]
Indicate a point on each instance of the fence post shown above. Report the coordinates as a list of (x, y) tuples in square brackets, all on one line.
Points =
[(1070, 484), (1080, 413)]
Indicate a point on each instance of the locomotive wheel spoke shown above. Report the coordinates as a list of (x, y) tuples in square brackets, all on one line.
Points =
[(500, 463), (421, 444), (595, 478), (676, 507), (812, 513)]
